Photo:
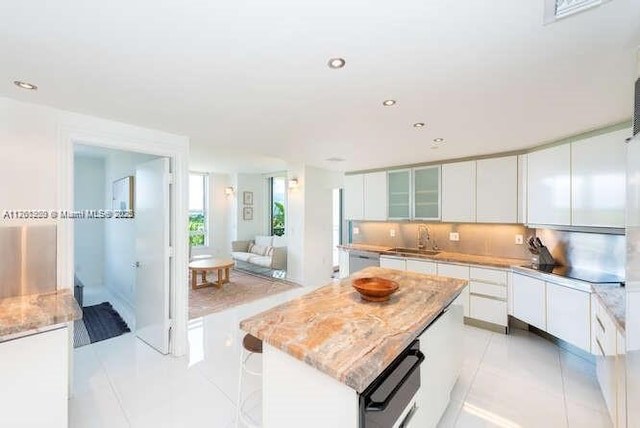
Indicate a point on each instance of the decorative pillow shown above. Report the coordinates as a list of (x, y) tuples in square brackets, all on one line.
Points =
[(251, 245), (268, 251), (264, 240), (258, 249)]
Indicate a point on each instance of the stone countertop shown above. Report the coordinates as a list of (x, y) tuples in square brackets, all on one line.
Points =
[(25, 315), (613, 298), (351, 340), (444, 256)]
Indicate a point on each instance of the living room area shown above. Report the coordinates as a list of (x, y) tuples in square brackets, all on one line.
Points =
[(247, 237)]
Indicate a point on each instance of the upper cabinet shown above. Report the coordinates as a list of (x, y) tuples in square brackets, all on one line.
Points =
[(496, 190), (426, 193), (375, 200), (598, 173), (365, 196), (549, 186), (354, 197), (459, 192), (399, 194)]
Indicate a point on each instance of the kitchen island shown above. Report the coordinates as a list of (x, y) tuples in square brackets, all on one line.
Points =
[(323, 349)]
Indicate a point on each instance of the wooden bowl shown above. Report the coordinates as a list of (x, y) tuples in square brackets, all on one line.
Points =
[(375, 289)]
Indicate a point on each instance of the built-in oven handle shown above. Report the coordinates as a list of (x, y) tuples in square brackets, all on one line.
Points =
[(379, 406)]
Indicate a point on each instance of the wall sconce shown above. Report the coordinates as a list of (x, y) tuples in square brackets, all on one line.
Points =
[(228, 191), (293, 183)]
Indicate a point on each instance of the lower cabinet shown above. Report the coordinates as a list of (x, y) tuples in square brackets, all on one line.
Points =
[(488, 295), (442, 348), (568, 316), (529, 303), (393, 263), (34, 379), (421, 266)]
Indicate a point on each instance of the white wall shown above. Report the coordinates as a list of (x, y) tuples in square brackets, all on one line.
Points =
[(89, 238), (220, 214), (310, 221), (120, 243), (248, 229)]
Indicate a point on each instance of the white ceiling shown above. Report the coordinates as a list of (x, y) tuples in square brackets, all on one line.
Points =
[(247, 80)]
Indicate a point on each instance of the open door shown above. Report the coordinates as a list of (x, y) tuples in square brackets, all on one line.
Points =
[(152, 219)]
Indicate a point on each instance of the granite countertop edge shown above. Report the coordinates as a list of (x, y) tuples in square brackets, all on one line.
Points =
[(23, 316), (613, 299)]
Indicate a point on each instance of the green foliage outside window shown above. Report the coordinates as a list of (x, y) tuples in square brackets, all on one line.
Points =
[(196, 229), (278, 218)]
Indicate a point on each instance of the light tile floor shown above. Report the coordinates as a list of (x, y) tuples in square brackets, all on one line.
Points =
[(519, 380)]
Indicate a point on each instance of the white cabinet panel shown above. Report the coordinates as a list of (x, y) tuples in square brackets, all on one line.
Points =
[(568, 315), (354, 197), (498, 291), (489, 310), (493, 276), (459, 192), (34, 380), (426, 193), (549, 186), (522, 189), (421, 266), (393, 263), (529, 303), (497, 190), (441, 345), (598, 174), (344, 263), (375, 196), (459, 272), (399, 194)]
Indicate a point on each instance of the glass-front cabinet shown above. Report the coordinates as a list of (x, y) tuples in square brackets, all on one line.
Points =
[(399, 194), (426, 193)]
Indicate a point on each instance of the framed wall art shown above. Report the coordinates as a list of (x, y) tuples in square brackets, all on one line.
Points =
[(247, 198), (122, 198), (247, 213)]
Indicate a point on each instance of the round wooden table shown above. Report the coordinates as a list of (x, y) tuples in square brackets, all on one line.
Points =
[(207, 265)]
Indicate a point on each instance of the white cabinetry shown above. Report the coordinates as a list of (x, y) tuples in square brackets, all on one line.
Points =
[(393, 263), (34, 373), (375, 196), (529, 303), (459, 272), (598, 186), (441, 345), (399, 194), (488, 295), (421, 266), (365, 196), (343, 256), (497, 190), (549, 186), (459, 192), (568, 315), (354, 197), (426, 193)]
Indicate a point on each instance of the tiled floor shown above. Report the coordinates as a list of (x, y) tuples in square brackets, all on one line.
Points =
[(511, 381)]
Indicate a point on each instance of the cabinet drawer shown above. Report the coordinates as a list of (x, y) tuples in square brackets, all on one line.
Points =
[(490, 310), (453, 271), (499, 291), (488, 275), (420, 266), (393, 263)]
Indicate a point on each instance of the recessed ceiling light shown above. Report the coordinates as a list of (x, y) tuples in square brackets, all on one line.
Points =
[(336, 63), (438, 140), (389, 103), (25, 85), (418, 124)]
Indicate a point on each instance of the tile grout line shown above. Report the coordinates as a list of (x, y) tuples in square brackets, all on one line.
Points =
[(473, 378), (564, 390), (114, 389)]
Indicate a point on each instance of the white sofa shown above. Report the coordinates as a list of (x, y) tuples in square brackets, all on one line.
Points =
[(265, 251)]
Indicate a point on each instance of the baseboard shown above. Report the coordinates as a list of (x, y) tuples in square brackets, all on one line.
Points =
[(124, 308), (496, 328)]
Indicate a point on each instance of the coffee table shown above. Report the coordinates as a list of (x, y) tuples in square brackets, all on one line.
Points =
[(207, 265)]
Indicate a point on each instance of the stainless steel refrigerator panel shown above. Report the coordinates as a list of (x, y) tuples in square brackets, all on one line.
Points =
[(27, 260)]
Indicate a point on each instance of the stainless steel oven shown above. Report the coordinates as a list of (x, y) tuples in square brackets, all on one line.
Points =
[(389, 401)]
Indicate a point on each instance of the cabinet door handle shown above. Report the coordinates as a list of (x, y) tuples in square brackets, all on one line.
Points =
[(601, 325), (600, 346)]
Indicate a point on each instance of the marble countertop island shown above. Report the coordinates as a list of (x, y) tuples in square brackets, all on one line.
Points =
[(333, 330), (25, 315), (613, 298)]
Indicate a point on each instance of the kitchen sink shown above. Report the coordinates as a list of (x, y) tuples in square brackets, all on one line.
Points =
[(415, 251)]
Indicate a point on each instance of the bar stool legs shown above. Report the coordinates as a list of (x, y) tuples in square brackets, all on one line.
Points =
[(251, 350)]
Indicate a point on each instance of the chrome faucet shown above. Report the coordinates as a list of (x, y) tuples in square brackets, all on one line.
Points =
[(423, 232)]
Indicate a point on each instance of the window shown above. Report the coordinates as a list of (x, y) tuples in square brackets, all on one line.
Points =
[(277, 196), (198, 204)]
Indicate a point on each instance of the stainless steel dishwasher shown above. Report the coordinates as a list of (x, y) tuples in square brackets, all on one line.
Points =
[(359, 260)]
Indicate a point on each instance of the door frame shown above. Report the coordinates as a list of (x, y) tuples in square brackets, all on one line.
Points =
[(118, 136)]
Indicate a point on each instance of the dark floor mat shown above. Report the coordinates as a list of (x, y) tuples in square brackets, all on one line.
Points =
[(103, 322)]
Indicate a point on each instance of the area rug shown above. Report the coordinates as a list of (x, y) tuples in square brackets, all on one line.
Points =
[(99, 322), (242, 288)]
